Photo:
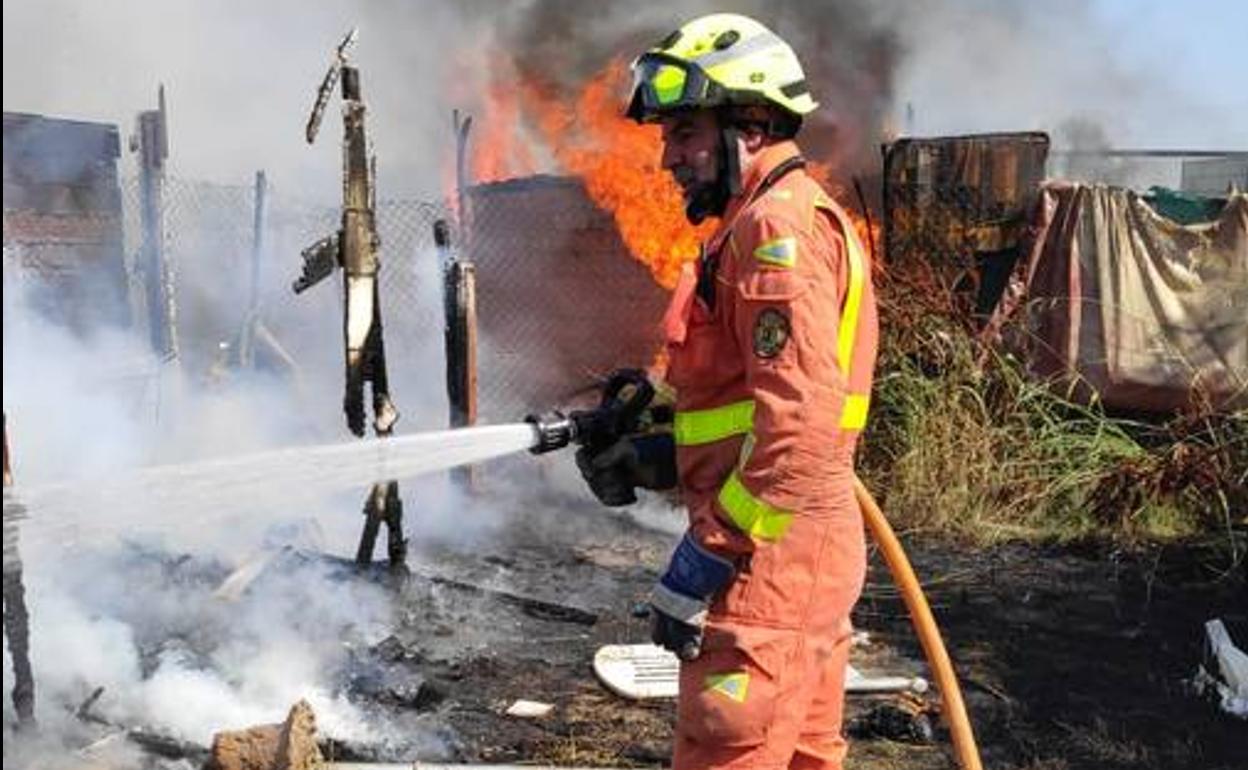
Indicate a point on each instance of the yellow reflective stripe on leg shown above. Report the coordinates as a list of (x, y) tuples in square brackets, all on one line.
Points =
[(753, 516), (854, 413), (706, 426)]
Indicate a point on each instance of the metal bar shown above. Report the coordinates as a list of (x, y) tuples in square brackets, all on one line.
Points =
[(153, 148), (1152, 153), (257, 239), (247, 343), (531, 606), (462, 127)]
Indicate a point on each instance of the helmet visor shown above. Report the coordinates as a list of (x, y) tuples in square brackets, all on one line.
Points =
[(664, 83)]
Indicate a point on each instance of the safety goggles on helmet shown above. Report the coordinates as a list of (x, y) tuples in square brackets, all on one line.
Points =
[(663, 84)]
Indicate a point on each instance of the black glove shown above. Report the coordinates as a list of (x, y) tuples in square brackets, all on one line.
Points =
[(613, 473), (674, 635)]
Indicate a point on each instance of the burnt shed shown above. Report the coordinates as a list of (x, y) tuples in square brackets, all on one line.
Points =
[(63, 219), (561, 302)]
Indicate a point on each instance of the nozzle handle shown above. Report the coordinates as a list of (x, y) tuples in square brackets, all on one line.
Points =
[(625, 397)]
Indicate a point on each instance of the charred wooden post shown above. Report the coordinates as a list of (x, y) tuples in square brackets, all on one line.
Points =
[(383, 505), (459, 305), (355, 249), (460, 308), (151, 142), (16, 617)]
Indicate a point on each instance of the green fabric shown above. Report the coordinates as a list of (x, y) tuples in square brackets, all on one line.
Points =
[(1181, 207)]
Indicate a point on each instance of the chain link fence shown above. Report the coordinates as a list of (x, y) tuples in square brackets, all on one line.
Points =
[(955, 211), (560, 301), (210, 243)]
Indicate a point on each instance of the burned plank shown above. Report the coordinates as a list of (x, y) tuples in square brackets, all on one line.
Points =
[(533, 607), (541, 609), (151, 741)]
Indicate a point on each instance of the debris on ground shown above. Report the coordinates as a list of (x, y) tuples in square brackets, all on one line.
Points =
[(1226, 677), (902, 718), (289, 745), (529, 709)]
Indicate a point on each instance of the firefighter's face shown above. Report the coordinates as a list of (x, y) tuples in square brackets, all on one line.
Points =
[(691, 150)]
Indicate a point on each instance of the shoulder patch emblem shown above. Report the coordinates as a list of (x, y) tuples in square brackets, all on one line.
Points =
[(778, 251), (771, 333)]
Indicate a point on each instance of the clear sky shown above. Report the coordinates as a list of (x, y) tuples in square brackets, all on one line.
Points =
[(1199, 48)]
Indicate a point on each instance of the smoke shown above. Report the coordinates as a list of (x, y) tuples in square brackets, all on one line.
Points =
[(848, 54), (135, 613), (884, 69), (241, 79)]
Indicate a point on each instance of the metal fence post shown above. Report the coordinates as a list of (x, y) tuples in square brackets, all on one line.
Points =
[(247, 346), (152, 144)]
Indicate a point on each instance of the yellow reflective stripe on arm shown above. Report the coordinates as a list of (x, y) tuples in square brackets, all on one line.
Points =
[(853, 300), (854, 413), (778, 251), (706, 426), (753, 516)]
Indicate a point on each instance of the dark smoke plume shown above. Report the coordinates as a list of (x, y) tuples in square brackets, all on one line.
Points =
[(848, 52)]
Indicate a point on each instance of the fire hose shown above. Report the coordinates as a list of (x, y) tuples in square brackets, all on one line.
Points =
[(924, 625), (626, 398)]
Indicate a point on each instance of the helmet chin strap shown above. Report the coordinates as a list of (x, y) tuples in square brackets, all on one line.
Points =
[(711, 199)]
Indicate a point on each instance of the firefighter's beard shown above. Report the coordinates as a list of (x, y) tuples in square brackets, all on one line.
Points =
[(703, 198)]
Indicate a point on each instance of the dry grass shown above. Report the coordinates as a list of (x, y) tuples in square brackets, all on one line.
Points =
[(962, 442)]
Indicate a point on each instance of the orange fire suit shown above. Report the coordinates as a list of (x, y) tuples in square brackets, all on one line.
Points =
[(771, 347)]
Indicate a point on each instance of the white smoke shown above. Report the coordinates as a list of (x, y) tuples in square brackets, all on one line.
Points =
[(100, 611), (107, 613), (240, 81)]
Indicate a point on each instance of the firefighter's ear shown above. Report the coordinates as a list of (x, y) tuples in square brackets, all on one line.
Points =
[(753, 139)]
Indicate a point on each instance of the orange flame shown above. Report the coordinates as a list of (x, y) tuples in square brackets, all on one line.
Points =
[(500, 152), (617, 160)]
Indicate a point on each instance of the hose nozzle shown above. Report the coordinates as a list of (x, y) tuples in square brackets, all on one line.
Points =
[(551, 431)]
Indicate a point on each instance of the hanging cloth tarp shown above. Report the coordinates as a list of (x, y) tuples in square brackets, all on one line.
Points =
[(1118, 302)]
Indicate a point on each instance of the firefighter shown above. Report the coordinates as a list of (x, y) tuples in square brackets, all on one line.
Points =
[(771, 346)]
